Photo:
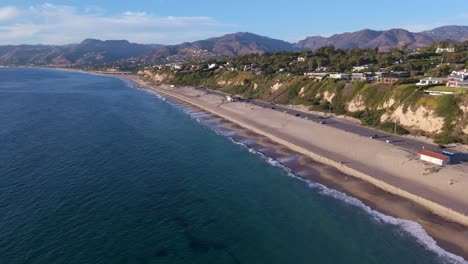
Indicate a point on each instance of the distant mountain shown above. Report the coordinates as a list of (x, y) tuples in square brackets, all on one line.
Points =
[(454, 33), (227, 45), (90, 51), (367, 38)]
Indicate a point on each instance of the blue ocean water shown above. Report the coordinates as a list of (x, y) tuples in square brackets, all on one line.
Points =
[(93, 170)]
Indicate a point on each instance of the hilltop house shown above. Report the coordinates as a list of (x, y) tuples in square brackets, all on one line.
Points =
[(430, 81), (399, 74), (442, 50), (357, 76), (317, 75), (301, 59), (213, 66), (340, 76), (458, 79), (384, 77), (360, 68)]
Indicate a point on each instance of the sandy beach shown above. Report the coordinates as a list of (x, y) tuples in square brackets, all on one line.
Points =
[(384, 177)]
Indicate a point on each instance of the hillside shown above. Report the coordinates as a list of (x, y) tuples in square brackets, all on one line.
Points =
[(384, 40), (454, 33), (90, 51), (228, 45)]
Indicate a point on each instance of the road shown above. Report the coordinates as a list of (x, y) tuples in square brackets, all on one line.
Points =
[(408, 144)]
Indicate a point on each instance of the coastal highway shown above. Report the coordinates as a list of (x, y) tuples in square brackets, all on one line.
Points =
[(408, 144)]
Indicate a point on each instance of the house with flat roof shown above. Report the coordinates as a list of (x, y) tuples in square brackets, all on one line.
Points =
[(442, 50), (431, 81), (317, 75), (458, 79), (364, 76), (341, 76)]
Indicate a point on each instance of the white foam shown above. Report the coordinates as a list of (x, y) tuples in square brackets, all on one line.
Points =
[(288, 158)]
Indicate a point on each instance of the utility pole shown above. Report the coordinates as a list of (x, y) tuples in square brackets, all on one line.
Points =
[(394, 130)]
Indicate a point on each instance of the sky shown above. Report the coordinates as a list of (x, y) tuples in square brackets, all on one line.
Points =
[(176, 21)]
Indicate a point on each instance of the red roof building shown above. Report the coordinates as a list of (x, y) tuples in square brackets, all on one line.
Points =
[(434, 157)]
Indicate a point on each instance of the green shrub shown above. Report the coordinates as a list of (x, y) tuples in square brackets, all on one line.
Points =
[(390, 128)]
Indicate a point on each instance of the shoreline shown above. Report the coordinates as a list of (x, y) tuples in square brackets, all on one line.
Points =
[(386, 199), (444, 232)]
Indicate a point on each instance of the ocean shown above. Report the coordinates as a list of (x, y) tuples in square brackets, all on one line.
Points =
[(93, 170)]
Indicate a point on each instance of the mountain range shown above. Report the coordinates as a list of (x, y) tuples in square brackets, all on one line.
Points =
[(386, 39), (89, 51), (92, 51)]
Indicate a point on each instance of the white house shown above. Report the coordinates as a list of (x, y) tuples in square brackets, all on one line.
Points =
[(433, 157), (458, 79), (360, 68), (343, 76), (301, 59), (316, 75), (441, 50), (212, 66), (430, 80)]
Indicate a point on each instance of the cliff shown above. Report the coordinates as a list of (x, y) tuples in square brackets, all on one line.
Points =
[(444, 118)]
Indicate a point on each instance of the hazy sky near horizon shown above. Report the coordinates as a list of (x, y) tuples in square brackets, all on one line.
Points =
[(176, 21)]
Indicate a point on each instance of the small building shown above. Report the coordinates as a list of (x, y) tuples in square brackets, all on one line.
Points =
[(399, 74), (340, 76), (360, 68), (442, 50), (433, 157), (430, 81), (381, 75), (458, 79), (317, 75), (365, 76), (301, 59), (213, 66), (458, 84)]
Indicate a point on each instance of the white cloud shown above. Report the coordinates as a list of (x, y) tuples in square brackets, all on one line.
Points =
[(8, 12), (62, 24)]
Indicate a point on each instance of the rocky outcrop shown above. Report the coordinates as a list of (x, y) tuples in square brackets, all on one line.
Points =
[(422, 119), (464, 108), (301, 92), (328, 96), (276, 86), (157, 77), (357, 104), (387, 104), (235, 83)]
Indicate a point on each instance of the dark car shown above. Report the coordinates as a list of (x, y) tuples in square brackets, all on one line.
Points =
[(441, 146), (374, 136), (323, 122), (298, 114)]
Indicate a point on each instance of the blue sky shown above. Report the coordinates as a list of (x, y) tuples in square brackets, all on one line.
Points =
[(175, 21)]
